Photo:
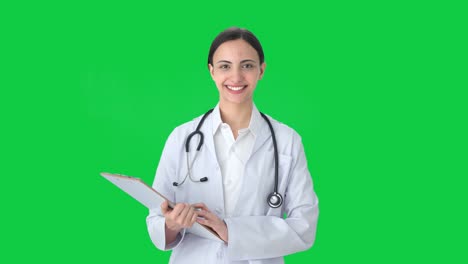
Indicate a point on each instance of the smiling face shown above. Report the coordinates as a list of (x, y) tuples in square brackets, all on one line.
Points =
[(236, 69)]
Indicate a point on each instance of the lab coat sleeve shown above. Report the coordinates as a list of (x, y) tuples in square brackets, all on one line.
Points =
[(155, 221), (260, 237)]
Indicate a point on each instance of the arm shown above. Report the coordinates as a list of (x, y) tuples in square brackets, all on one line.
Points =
[(259, 237), (166, 227), (161, 237)]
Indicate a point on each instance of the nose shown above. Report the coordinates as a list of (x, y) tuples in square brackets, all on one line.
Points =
[(237, 75)]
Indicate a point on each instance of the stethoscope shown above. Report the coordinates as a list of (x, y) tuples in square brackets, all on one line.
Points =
[(274, 199)]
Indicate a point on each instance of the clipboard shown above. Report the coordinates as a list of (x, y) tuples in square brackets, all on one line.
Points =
[(152, 199)]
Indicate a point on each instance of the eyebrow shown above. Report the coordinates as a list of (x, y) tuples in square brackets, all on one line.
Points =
[(225, 61)]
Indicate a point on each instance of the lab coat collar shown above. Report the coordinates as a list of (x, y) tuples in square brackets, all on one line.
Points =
[(216, 119), (254, 124), (257, 125), (262, 133)]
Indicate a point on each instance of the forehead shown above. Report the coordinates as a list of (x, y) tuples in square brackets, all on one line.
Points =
[(235, 50)]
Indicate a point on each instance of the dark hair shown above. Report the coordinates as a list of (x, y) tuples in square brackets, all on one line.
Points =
[(235, 33)]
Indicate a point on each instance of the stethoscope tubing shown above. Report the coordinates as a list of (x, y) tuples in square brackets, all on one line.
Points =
[(275, 149), (274, 200)]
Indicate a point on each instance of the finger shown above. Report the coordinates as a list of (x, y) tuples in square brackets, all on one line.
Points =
[(164, 207), (183, 215), (177, 210), (202, 213), (193, 220), (209, 223), (189, 217), (207, 215), (201, 205), (204, 222)]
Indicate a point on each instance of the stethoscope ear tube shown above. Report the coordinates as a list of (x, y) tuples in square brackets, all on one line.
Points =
[(200, 143), (187, 150)]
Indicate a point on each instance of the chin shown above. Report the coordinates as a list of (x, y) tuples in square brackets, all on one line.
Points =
[(238, 101)]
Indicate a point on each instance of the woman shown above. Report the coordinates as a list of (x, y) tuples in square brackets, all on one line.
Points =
[(232, 185)]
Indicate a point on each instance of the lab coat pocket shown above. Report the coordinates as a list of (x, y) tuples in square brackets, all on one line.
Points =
[(284, 173), (283, 181), (262, 183)]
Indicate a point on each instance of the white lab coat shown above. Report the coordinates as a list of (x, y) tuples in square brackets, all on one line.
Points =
[(257, 233)]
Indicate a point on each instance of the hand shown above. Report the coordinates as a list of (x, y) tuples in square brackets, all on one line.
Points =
[(181, 216), (211, 220)]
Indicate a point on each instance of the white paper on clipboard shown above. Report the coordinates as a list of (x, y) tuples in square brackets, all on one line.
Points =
[(152, 199)]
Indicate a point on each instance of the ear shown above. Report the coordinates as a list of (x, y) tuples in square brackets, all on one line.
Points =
[(262, 70), (211, 69)]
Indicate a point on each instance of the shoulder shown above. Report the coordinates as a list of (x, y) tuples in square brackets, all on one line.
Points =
[(181, 131), (284, 131)]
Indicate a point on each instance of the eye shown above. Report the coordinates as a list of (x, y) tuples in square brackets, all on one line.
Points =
[(248, 66), (224, 66)]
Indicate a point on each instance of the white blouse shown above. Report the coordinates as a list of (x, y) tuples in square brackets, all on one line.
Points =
[(233, 154)]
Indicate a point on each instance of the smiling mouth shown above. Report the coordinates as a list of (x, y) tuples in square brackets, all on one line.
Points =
[(235, 88)]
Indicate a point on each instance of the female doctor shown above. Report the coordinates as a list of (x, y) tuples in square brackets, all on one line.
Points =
[(235, 170)]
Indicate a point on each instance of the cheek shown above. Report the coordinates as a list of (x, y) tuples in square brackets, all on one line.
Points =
[(219, 80), (218, 83), (253, 78)]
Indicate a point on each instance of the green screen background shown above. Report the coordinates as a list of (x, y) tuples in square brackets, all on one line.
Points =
[(376, 89)]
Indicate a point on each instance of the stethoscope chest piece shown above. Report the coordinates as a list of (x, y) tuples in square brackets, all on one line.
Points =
[(275, 200)]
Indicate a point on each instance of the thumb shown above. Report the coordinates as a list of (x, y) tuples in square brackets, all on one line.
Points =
[(164, 208)]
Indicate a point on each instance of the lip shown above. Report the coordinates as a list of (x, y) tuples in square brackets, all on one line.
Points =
[(235, 91)]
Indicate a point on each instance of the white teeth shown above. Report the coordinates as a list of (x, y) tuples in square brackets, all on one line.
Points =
[(235, 88)]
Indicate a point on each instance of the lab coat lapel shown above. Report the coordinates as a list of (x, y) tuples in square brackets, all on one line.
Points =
[(251, 178), (261, 137), (208, 138)]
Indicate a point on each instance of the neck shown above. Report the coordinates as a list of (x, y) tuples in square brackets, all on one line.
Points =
[(237, 116)]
